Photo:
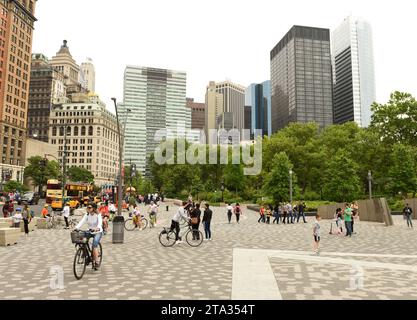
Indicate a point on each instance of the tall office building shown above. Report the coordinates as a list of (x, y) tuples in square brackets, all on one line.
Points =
[(225, 107), (258, 97), (47, 87), (16, 34), (154, 99), (301, 78), (198, 111), (354, 74), (65, 63), (88, 75)]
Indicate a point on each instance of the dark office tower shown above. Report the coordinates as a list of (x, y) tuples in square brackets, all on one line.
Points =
[(301, 78)]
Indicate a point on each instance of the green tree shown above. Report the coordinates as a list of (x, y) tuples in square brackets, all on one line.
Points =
[(12, 186), (277, 181), (396, 121), (341, 182), (402, 174), (78, 174), (234, 178), (39, 175)]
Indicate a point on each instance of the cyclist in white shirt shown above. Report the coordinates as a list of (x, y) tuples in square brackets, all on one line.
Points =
[(177, 219), (95, 229)]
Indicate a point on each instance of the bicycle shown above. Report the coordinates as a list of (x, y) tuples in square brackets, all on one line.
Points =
[(84, 254), (194, 238), (54, 222), (131, 224), (73, 223)]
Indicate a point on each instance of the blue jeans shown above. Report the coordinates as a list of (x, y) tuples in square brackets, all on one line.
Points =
[(290, 217), (348, 228), (301, 214), (409, 221), (97, 238), (207, 230), (277, 217)]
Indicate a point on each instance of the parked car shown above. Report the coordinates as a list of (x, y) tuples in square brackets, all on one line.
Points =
[(30, 198)]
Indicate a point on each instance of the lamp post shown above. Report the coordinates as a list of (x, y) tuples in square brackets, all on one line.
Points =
[(120, 180), (291, 173), (370, 184), (222, 188)]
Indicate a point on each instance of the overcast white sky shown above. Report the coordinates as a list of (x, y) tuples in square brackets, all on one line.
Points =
[(216, 39)]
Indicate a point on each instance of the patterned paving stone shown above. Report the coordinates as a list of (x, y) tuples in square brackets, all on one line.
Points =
[(142, 269)]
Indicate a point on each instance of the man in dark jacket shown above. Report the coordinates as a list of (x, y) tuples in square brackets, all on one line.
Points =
[(301, 212), (208, 215), (408, 215)]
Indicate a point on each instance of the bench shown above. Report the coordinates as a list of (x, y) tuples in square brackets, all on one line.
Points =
[(9, 237)]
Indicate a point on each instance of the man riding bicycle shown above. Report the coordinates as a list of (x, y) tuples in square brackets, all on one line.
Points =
[(95, 227), (181, 214)]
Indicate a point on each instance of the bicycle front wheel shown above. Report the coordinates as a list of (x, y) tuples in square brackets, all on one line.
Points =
[(130, 225), (100, 255), (194, 238), (144, 223), (80, 263), (167, 238)]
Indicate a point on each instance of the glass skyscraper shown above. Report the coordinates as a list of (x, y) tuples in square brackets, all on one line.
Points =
[(301, 78), (154, 99), (258, 98), (354, 74)]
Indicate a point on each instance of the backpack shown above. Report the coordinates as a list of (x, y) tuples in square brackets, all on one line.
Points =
[(237, 210)]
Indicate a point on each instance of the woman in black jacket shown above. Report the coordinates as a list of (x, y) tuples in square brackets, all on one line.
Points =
[(208, 215)]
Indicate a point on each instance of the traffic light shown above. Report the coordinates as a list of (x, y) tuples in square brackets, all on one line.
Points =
[(133, 173)]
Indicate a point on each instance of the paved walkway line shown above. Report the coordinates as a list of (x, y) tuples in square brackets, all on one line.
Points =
[(253, 278)]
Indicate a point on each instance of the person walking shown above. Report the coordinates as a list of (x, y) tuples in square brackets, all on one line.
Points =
[(208, 215), (348, 220), (269, 214), (229, 212), (26, 219), (5, 209), (355, 215), (277, 214), (290, 213), (301, 212), (284, 213), (66, 214), (195, 221), (238, 212), (262, 215), (408, 214), (317, 235)]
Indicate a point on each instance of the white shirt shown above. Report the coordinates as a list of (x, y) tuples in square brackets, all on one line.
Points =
[(93, 221), (112, 208), (229, 208), (17, 218), (180, 215), (67, 211)]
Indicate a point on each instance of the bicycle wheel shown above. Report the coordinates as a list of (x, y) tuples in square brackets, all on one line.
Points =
[(80, 263), (130, 225), (100, 255), (144, 223), (194, 238), (167, 238)]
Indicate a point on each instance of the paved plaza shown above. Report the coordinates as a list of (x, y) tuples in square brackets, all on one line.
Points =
[(249, 260)]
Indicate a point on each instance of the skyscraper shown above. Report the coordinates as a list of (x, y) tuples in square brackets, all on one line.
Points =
[(88, 73), (156, 99), (65, 63), (225, 107), (198, 111), (301, 78), (258, 97), (354, 74), (47, 87), (16, 34)]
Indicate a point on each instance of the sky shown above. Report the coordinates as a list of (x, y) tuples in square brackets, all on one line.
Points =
[(215, 40)]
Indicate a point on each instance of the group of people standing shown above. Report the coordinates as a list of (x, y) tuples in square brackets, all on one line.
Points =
[(287, 213), (348, 215)]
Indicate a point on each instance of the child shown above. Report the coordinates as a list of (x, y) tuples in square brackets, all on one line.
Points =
[(17, 218), (317, 235)]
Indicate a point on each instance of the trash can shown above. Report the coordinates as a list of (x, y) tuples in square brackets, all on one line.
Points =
[(118, 230), (167, 208)]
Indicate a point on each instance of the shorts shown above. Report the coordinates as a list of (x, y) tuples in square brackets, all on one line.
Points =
[(317, 239), (97, 238)]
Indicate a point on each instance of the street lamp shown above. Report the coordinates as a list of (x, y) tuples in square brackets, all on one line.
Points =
[(120, 183), (291, 173), (370, 184), (222, 188)]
